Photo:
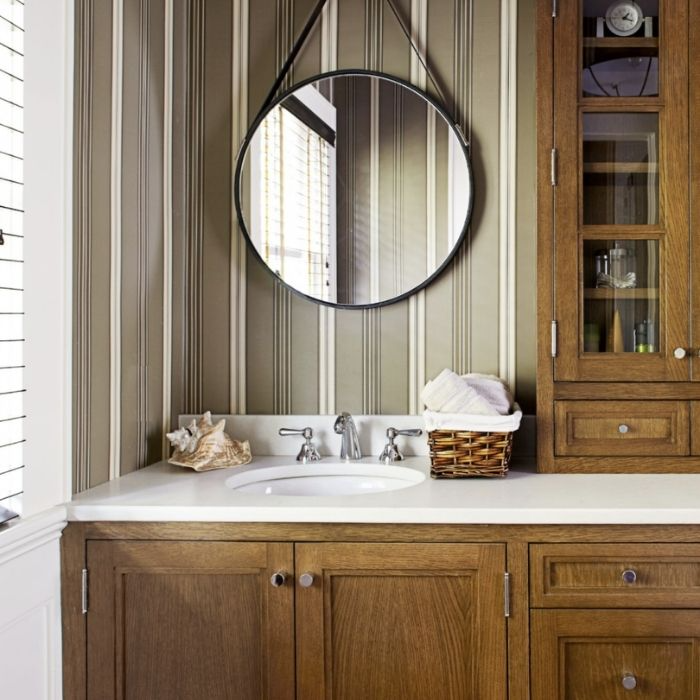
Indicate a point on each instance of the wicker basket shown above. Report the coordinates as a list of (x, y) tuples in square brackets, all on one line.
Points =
[(459, 453)]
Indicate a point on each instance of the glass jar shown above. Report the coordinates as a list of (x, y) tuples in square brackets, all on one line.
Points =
[(623, 272), (645, 336), (602, 267), (618, 263)]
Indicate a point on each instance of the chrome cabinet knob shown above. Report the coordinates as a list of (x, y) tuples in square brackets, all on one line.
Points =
[(629, 576), (306, 580), (278, 578), (680, 353), (629, 682), (622, 428)]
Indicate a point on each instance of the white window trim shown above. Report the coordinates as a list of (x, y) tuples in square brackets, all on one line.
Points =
[(48, 252)]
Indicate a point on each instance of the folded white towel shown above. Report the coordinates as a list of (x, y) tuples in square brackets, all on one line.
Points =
[(486, 424), (442, 389), (450, 393), (492, 389)]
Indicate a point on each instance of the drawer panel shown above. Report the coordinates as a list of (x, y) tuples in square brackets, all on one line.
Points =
[(615, 654), (625, 428), (619, 575)]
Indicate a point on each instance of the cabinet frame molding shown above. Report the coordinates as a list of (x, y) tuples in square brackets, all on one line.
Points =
[(517, 539), (567, 376)]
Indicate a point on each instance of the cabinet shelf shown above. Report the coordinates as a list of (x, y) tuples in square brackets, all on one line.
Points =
[(607, 293), (621, 167), (621, 42)]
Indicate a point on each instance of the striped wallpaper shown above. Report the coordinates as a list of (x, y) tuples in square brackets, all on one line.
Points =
[(174, 315)]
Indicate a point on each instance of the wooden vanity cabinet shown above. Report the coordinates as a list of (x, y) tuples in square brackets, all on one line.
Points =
[(202, 619), (409, 621), (605, 654), (387, 612), (618, 291), (607, 619), (189, 620)]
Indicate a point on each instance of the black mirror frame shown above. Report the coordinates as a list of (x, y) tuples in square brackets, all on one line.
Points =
[(243, 150)]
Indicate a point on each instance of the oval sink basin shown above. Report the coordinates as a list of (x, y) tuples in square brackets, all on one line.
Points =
[(324, 479)]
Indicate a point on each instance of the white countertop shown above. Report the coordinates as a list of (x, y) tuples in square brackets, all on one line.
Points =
[(164, 492)]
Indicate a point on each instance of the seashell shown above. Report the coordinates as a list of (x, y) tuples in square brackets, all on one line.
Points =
[(185, 439), (202, 446)]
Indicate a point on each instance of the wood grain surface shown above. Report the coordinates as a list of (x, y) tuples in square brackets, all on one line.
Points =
[(411, 621), (590, 575), (584, 655), (357, 567), (574, 374), (593, 428), (189, 620)]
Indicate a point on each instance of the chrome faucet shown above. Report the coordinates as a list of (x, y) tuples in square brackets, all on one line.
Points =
[(391, 452), (350, 443), (308, 452)]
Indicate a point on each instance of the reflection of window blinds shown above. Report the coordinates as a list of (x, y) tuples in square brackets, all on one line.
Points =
[(11, 253), (295, 203)]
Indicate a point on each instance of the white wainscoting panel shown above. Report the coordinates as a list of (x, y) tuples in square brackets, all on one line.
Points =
[(30, 607)]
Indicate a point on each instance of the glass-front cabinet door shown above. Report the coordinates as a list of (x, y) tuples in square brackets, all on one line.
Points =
[(621, 194)]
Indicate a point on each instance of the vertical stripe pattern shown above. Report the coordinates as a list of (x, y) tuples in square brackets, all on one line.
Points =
[(167, 225), (143, 205), (116, 240), (122, 259), (239, 124), (461, 268), (371, 318), (193, 400), (282, 309), (282, 320), (416, 303), (507, 193), (82, 248), (371, 346), (326, 314), (134, 275)]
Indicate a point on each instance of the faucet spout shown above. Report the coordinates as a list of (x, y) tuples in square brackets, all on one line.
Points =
[(350, 443)]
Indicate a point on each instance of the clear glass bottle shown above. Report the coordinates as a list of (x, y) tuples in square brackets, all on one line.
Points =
[(602, 266)]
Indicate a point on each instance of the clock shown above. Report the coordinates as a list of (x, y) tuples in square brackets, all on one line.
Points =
[(624, 18)]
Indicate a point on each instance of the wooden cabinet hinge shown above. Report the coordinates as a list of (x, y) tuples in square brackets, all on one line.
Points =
[(554, 8), (554, 167), (554, 339), (506, 594), (84, 592)]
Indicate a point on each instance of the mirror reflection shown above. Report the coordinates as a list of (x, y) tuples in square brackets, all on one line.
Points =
[(354, 189)]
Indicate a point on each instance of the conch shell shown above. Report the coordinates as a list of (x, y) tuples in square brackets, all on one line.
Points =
[(202, 446)]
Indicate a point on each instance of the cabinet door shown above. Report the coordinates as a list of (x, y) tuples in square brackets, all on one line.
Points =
[(621, 221), (404, 621), (183, 620), (606, 654)]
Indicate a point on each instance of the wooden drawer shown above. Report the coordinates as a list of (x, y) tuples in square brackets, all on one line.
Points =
[(622, 428), (605, 654), (619, 575)]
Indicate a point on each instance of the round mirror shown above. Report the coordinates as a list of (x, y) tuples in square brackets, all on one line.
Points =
[(354, 188)]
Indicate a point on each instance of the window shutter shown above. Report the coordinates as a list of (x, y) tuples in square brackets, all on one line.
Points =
[(295, 203), (11, 255)]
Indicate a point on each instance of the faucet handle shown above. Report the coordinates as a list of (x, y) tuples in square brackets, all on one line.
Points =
[(308, 451), (391, 452)]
